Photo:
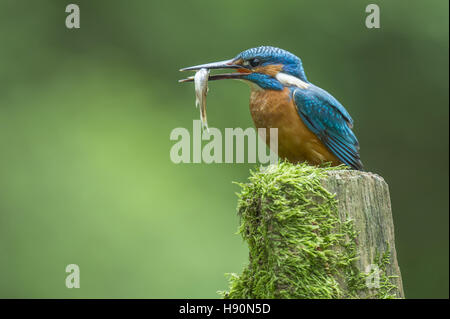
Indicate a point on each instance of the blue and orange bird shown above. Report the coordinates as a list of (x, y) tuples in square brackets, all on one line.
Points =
[(312, 125)]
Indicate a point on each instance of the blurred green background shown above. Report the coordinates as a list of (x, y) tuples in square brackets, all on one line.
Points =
[(85, 118)]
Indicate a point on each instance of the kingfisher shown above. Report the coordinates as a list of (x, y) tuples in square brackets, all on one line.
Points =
[(312, 125)]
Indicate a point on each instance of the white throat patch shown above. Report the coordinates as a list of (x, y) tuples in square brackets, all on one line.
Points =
[(287, 79)]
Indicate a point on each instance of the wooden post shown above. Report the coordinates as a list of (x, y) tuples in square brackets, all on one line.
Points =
[(365, 198), (317, 233)]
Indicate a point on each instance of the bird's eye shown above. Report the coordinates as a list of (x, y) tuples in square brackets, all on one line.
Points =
[(254, 62)]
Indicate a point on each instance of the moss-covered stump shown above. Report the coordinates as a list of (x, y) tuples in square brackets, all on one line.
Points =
[(316, 233)]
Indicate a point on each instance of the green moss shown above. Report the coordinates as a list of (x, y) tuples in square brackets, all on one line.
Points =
[(386, 289), (298, 246)]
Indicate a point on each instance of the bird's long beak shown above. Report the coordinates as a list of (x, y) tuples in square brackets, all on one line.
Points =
[(227, 64)]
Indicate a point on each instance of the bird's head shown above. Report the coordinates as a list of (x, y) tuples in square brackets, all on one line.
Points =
[(267, 67)]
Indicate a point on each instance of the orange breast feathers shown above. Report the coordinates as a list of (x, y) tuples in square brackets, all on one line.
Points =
[(296, 143)]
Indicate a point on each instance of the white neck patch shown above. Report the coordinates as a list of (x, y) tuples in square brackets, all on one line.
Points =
[(287, 79)]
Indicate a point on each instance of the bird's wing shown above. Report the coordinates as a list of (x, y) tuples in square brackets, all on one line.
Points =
[(330, 122)]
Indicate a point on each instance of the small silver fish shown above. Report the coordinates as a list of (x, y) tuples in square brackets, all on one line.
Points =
[(201, 89)]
